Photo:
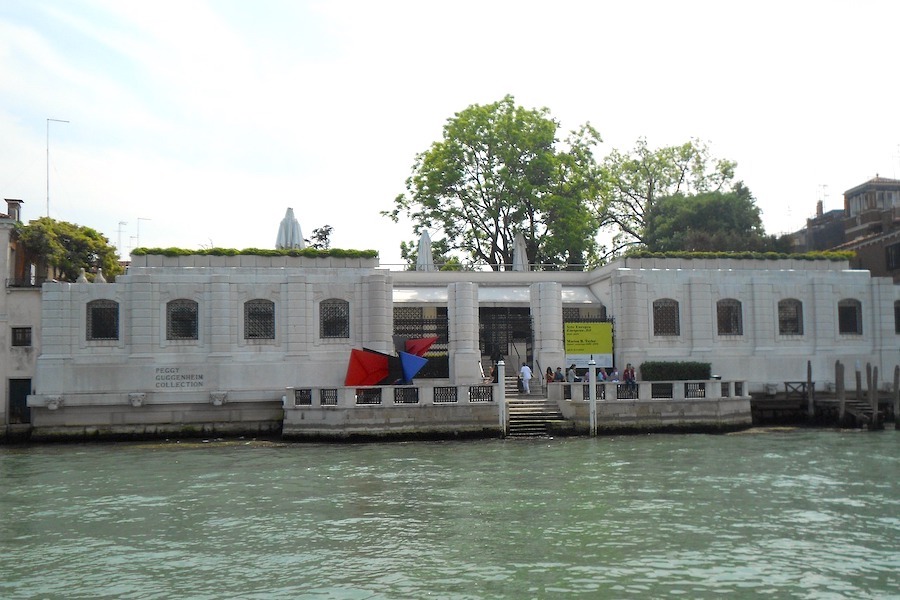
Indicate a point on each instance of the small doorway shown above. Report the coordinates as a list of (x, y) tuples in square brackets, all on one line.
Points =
[(19, 413)]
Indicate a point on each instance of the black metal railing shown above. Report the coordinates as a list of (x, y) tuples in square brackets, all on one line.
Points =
[(406, 395), (303, 397), (444, 395), (368, 395)]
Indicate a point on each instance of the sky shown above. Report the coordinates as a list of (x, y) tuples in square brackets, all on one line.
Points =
[(195, 123)]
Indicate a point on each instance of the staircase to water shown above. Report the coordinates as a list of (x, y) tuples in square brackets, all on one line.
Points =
[(531, 417)]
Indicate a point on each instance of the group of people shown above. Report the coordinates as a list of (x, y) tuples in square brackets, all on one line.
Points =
[(571, 376)]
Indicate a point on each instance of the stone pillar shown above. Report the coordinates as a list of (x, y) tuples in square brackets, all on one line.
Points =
[(298, 315), (546, 313), (462, 312), (221, 319), (698, 329), (378, 314)]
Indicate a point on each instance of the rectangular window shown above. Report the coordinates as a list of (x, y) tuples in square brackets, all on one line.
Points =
[(665, 318), (850, 317), (334, 318), (892, 257), (181, 320), (790, 317), (728, 316), (21, 336), (102, 320), (259, 320)]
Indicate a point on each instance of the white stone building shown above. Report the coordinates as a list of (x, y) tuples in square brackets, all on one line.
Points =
[(20, 325), (214, 342)]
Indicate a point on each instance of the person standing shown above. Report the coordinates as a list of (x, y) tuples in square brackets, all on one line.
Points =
[(525, 374), (628, 376)]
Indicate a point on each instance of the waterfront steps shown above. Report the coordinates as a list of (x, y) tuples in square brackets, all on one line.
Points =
[(531, 417)]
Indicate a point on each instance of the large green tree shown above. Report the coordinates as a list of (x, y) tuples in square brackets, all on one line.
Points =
[(634, 181), (500, 169), (706, 222), (62, 249)]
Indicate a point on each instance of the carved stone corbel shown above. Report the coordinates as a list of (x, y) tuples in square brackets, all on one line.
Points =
[(218, 398), (54, 402), (137, 399)]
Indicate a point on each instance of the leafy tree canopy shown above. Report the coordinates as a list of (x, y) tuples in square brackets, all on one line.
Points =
[(706, 222), (634, 181), (67, 248), (497, 172), (321, 238)]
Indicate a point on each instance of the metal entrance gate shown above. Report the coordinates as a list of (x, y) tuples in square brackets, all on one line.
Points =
[(505, 332)]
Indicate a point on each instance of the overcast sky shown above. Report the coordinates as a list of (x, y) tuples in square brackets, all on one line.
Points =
[(198, 123)]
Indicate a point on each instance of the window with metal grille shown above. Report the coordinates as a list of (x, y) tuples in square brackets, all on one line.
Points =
[(729, 318), (102, 320), (259, 320), (181, 320), (850, 317), (665, 317), (892, 257), (790, 317), (21, 336), (897, 316), (334, 319)]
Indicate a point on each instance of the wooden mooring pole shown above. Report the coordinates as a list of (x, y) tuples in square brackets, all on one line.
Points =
[(873, 398), (810, 394), (839, 390), (897, 397)]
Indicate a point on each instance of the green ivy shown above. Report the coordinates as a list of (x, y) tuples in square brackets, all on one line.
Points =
[(306, 252)]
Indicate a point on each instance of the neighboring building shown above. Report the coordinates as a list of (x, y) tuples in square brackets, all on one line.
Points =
[(20, 327), (822, 232), (872, 226), (215, 342)]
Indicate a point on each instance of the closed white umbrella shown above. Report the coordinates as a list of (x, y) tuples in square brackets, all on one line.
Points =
[(520, 254), (425, 258), (289, 234)]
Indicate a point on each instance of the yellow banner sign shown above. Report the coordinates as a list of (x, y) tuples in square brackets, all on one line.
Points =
[(589, 338)]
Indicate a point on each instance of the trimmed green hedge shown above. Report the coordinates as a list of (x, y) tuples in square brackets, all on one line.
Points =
[(831, 255), (675, 371), (307, 252)]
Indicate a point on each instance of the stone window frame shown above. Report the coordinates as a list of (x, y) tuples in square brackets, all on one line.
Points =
[(101, 320), (666, 318), (187, 323), (849, 317), (729, 317), (334, 319), (259, 319), (790, 317)]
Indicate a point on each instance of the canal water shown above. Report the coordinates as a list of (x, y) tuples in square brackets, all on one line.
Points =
[(775, 514)]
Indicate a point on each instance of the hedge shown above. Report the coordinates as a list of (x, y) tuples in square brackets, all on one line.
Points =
[(307, 252), (675, 371)]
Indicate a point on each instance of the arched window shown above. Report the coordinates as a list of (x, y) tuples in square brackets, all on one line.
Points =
[(665, 317), (259, 320), (790, 317), (181, 320), (850, 317), (334, 318), (102, 320), (729, 317)]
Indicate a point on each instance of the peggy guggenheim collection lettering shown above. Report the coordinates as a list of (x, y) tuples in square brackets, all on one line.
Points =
[(176, 378)]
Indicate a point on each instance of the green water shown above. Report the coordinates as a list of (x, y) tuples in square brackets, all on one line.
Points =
[(799, 514)]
